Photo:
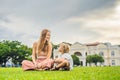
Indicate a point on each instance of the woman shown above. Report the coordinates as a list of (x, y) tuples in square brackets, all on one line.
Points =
[(41, 53)]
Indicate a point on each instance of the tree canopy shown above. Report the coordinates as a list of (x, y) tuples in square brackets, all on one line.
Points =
[(76, 60), (14, 50), (94, 59)]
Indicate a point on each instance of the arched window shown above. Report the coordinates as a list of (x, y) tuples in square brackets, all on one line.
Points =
[(78, 53), (101, 53), (112, 53)]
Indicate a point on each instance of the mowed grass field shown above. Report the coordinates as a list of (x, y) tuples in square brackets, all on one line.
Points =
[(78, 73)]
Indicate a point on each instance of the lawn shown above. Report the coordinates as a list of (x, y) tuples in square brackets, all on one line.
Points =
[(78, 73)]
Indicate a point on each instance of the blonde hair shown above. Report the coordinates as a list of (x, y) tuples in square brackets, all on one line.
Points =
[(42, 44), (65, 48)]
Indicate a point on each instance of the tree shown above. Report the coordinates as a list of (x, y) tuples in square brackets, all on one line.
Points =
[(101, 60), (14, 50), (4, 52), (22, 52), (76, 60), (94, 59), (89, 59)]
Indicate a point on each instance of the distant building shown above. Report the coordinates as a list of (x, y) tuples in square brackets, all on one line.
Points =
[(110, 53)]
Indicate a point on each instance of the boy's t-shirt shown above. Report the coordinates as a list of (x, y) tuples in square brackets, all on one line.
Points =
[(69, 58)]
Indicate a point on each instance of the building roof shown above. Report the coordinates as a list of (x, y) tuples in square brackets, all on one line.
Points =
[(93, 44), (77, 43)]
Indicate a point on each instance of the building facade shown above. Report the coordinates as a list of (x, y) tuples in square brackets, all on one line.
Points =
[(110, 53)]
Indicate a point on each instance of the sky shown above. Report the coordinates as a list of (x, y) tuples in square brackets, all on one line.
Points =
[(83, 21)]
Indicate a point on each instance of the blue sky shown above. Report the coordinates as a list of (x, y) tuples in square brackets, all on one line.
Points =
[(83, 21)]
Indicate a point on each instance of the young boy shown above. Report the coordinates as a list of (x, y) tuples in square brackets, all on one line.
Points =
[(64, 61)]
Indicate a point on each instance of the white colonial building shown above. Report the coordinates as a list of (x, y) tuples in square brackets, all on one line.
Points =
[(110, 53)]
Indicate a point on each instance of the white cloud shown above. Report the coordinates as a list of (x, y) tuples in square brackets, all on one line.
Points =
[(105, 22), (20, 29), (25, 19)]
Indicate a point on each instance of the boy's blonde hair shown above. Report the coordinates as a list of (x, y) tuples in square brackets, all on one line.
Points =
[(65, 47)]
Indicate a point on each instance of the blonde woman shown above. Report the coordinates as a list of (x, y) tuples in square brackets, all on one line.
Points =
[(41, 53), (64, 61)]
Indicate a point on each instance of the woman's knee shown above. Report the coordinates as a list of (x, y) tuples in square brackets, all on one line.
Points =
[(24, 61)]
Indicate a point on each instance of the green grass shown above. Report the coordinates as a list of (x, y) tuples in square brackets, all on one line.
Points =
[(78, 73)]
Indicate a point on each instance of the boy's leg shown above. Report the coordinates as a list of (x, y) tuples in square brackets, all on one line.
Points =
[(57, 61), (62, 63)]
